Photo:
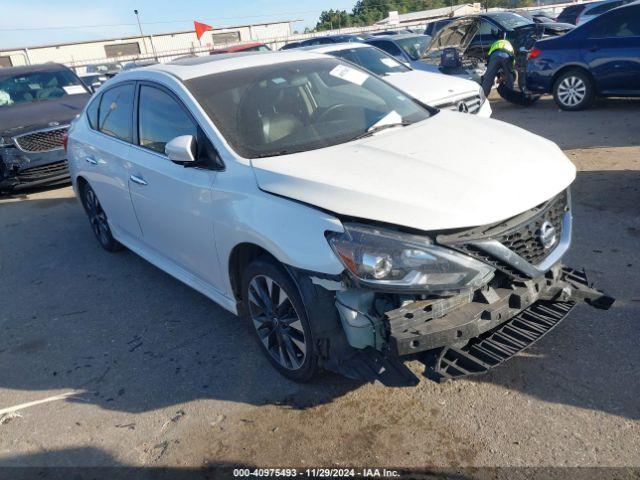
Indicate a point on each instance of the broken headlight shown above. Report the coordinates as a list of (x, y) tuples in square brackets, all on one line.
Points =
[(381, 258)]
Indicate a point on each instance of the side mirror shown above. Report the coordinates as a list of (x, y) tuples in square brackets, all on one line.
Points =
[(181, 149)]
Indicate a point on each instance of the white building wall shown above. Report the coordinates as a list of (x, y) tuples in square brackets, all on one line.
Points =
[(183, 42)]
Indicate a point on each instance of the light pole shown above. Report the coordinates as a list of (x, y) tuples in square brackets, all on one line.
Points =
[(135, 11)]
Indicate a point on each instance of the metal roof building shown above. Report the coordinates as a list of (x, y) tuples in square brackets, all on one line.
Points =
[(127, 48)]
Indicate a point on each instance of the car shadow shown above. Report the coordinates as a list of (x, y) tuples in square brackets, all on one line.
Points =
[(118, 331), (126, 336), (584, 129), (95, 464)]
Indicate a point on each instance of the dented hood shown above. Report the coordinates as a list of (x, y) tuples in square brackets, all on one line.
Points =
[(449, 171)]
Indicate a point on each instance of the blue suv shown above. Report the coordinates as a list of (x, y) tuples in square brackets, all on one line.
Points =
[(598, 58)]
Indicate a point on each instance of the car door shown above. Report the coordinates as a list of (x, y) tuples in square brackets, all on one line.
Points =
[(173, 202), (486, 35), (106, 155), (612, 51)]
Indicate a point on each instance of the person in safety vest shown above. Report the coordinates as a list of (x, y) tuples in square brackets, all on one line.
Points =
[(501, 65)]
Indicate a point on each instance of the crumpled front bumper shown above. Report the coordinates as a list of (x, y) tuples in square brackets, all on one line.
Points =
[(20, 169), (430, 324), (468, 335), (500, 343)]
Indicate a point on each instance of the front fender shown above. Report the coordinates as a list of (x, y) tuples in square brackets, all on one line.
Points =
[(294, 233)]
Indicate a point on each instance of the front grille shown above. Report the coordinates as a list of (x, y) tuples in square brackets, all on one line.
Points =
[(41, 141), (472, 104), (43, 172), (520, 234), (525, 239)]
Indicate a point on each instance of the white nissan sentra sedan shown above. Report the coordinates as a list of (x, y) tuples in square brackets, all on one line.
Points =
[(351, 224), (444, 92)]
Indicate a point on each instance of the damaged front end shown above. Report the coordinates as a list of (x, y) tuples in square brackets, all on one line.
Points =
[(34, 158), (462, 302)]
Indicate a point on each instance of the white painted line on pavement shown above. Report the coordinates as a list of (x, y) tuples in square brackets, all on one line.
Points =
[(22, 406)]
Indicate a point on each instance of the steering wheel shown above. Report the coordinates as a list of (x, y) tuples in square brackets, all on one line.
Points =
[(338, 111)]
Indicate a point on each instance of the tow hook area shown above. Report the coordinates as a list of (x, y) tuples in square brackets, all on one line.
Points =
[(498, 345)]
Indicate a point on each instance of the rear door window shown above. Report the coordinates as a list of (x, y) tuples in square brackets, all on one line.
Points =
[(615, 25), (116, 108)]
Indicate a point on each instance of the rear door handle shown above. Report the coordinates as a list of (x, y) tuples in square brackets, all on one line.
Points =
[(91, 159), (137, 179)]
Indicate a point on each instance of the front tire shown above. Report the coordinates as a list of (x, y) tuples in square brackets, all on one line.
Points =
[(98, 220), (279, 318), (573, 90)]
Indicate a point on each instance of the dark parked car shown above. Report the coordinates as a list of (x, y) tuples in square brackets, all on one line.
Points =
[(390, 32), (37, 103), (309, 42), (598, 58), (472, 36), (406, 48), (571, 13), (539, 17)]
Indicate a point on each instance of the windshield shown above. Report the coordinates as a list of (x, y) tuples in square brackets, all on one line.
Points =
[(38, 86), (414, 46), (510, 20), (299, 106), (372, 59)]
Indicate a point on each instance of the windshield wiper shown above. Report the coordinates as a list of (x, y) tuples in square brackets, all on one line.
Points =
[(379, 128), (277, 153)]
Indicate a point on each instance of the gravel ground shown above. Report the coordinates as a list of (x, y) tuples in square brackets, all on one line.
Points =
[(136, 369)]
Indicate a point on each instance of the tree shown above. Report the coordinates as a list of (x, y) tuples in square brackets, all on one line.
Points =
[(368, 12), (330, 19)]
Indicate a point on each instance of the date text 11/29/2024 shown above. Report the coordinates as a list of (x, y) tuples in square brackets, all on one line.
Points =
[(315, 473)]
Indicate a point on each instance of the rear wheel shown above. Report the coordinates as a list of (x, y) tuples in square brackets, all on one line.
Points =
[(279, 318), (98, 220), (573, 90)]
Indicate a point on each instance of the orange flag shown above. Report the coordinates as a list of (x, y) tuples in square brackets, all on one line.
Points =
[(201, 28)]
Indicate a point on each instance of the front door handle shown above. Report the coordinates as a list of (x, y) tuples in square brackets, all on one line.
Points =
[(91, 159), (138, 179)]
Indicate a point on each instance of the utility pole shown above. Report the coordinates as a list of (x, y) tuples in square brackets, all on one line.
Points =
[(137, 14)]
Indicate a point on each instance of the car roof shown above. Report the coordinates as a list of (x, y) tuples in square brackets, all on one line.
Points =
[(396, 37), (334, 47), (43, 67), (208, 65), (239, 47)]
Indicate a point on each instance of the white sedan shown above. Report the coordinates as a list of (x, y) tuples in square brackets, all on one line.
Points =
[(348, 221), (435, 89)]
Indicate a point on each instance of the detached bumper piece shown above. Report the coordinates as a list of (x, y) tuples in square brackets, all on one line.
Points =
[(370, 365), (498, 345)]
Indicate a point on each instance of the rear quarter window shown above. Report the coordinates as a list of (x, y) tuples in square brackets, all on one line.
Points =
[(92, 113)]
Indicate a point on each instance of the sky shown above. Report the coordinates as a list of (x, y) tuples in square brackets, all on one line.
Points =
[(27, 23)]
